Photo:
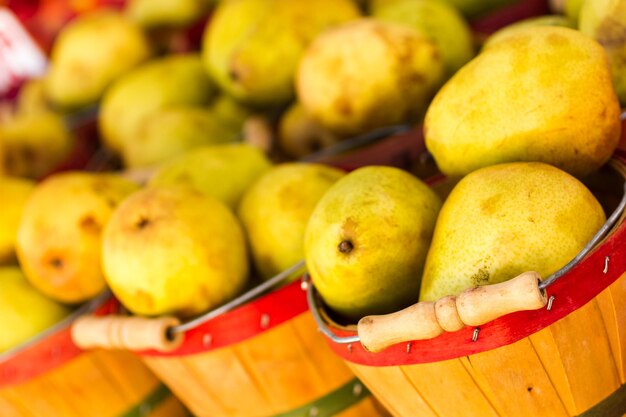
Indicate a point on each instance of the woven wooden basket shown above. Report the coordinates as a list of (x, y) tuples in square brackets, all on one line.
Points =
[(567, 358), (50, 376)]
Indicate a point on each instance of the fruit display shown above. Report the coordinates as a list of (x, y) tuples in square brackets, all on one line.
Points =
[(379, 169)]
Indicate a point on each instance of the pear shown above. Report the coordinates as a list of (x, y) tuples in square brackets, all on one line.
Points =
[(59, 235), (168, 13), (522, 25), (24, 312), (33, 144), (14, 191), (605, 21), (177, 80), (224, 172), (252, 47), (438, 22), (367, 239), (275, 211), (31, 98), (174, 250), (503, 220), (475, 8), (300, 135), (231, 112), (89, 54), (172, 131), (368, 74), (543, 95), (570, 8)]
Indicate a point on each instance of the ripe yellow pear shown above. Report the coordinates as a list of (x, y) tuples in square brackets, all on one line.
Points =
[(176, 80), (14, 191), (166, 13), (543, 95), (507, 219), (252, 47), (275, 211), (24, 312), (300, 135), (31, 98), (522, 25), (89, 54), (174, 250), (367, 239), (221, 171), (367, 74), (59, 236)]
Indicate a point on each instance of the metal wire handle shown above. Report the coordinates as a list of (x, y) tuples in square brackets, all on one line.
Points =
[(312, 295)]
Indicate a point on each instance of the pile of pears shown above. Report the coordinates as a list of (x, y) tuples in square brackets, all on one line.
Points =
[(196, 209)]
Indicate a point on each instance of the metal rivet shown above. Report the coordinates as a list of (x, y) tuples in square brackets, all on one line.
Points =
[(313, 412), (350, 347), (550, 301), (357, 390), (475, 336), (265, 321), (606, 265), (207, 339), (144, 409), (304, 285), (408, 347)]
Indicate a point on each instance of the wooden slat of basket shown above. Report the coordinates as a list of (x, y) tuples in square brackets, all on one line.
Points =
[(168, 408), (130, 376), (10, 408), (612, 303), (40, 398), (583, 372)]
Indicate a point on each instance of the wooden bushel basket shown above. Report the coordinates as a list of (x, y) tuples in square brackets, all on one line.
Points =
[(50, 376), (567, 358), (255, 356)]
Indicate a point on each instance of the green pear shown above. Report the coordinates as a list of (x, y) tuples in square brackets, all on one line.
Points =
[(367, 239), (475, 8), (437, 21), (14, 191), (231, 112), (605, 21), (59, 235), (252, 47), (24, 312), (176, 80), (172, 131), (33, 144), (275, 211), (300, 135), (174, 250), (368, 74), (89, 54), (224, 172), (522, 25), (503, 220), (543, 95), (570, 8), (166, 13)]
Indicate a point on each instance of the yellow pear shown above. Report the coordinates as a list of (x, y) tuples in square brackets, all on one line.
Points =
[(367, 74), (224, 172), (174, 250), (172, 131), (14, 191), (176, 80), (252, 47), (33, 144), (605, 21), (367, 239), (543, 95), (157, 13), (89, 54), (276, 209), (231, 112), (523, 25), (31, 97), (300, 135), (59, 236), (507, 219), (438, 22), (24, 312)]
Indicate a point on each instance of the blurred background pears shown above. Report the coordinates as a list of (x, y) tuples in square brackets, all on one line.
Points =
[(166, 13), (89, 54), (252, 47), (14, 191)]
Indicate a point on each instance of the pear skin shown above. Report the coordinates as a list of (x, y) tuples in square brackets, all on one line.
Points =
[(522, 25), (221, 171), (275, 211), (367, 239), (14, 191), (174, 250), (545, 94), (24, 312), (166, 13), (507, 219), (60, 233), (300, 135)]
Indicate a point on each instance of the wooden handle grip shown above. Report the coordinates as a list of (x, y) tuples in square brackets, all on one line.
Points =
[(123, 332), (473, 307)]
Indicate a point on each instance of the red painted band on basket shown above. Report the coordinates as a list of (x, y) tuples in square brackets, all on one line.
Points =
[(45, 354), (572, 291)]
